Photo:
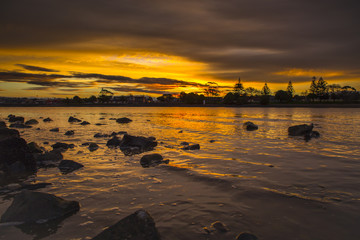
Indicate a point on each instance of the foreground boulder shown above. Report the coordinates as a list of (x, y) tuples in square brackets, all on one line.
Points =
[(15, 155), (73, 119), (249, 126), (67, 166), (31, 122), (246, 236), (6, 133), (137, 226), (31, 207), (113, 142), (34, 147), (93, 147), (131, 145), (2, 124), (123, 120), (300, 130), (152, 160)]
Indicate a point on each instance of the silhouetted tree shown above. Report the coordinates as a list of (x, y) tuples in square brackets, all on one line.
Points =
[(191, 98), (265, 90), (290, 90), (252, 91), (313, 86), (77, 99), (166, 98), (282, 96), (239, 88), (229, 98)]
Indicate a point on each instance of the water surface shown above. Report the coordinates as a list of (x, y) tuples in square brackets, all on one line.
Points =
[(264, 182)]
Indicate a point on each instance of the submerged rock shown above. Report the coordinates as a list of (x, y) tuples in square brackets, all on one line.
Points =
[(64, 146), (47, 120), (192, 147), (249, 126), (137, 226), (67, 166), (219, 226), (19, 125), (31, 122), (13, 118), (69, 133), (54, 130), (93, 147), (73, 119), (15, 155), (151, 160), (300, 130), (84, 123), (131, 145), (31, 207), (123, 120), (246, 236)]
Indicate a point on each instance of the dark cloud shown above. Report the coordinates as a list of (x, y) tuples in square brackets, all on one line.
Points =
[(231, 36), (76, 81), (35, 68)]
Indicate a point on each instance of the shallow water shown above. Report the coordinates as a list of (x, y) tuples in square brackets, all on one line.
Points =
[(263, 181)]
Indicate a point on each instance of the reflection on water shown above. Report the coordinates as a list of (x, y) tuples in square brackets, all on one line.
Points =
[(218, 182)]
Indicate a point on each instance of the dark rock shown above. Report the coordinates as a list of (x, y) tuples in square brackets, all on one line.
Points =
[(16, 157), (219, 226), (69, 133), (181, 131), (151, 160), (123, 120), (61, 145), (112, 118), (122, 132), (212, 141), (101, 135), (184, 143), (11, 115), (47, 120), (38, 129), (85, 144), (19, 125), (71, 145), (93, 147), (6, 133), (114, 142), (192, 147), (16, 119), (31, 122), (34, 186), (46, 143), (131, 145), (113, 134), (300, 130), (54, 130), (246, 236), (99, 124), (249, 126), (49, 159), (315, 134), (101, 118), (67, 166), (30, 207), (2, 124), (137, 226), (73, 119), (84, 123), (34, 148)]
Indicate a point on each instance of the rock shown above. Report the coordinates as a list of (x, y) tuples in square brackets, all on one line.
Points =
[(49, 159), (85, 144), (192, 147), (151, 160), (34, 148), (102, 118), (73, 119), (315, 134), (181, 131), (212, 141), (38, 129), (122, 133), (16, 119), (46, 143), (300, 130), (67, 166), (84, 123), (19, 125), (54, 130), (69, 133), (113, 134), (99, 124), (93, 147), (61, 145), (31, 122), (123, 120), (114, 142), (131, 145), (16, 157), (2, 124), (101, 135), (31, 207), (137, 226), (47, 120), (219, 226), (246, 236), (184, 143), (6, 133), (249, 126)]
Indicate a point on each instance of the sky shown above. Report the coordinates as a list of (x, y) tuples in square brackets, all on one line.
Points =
[(64, 48)]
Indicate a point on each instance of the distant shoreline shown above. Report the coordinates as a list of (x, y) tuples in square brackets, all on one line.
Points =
[(277, 105)]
